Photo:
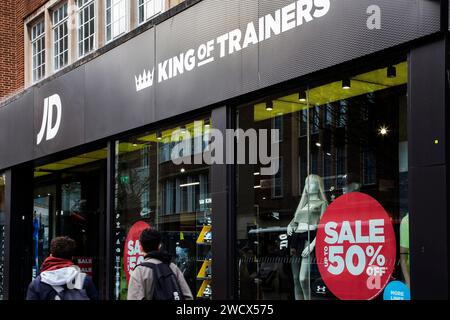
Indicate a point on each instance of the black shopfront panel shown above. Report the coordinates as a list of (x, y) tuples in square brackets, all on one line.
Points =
[(113, 104), (187, 62)]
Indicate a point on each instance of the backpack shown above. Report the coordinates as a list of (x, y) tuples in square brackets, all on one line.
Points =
[(165, 283), (62, 292), (70, 294)]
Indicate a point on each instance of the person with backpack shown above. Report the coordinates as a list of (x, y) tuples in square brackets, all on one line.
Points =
[(59, 278), (157, 278)]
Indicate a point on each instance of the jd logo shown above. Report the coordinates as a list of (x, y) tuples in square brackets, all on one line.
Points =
[(47, 128)]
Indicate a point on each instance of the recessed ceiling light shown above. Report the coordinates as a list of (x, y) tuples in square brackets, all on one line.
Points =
[(346, 84), (391, 72), (302, 96)]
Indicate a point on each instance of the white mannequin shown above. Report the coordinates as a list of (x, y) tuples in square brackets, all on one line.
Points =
[(306, 219)]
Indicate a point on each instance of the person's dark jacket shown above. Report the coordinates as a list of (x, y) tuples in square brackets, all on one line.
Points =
[(57, 273), (37, 290)]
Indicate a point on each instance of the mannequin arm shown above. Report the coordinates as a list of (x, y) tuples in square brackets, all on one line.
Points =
[(292, 226), (308, 249)]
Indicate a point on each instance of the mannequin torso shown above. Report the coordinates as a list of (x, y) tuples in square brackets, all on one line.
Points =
[(307, 218)]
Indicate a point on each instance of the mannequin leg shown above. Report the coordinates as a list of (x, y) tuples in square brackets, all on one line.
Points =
[(296, 265), (304, 276)]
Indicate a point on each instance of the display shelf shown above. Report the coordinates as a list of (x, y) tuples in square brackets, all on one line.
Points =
[(204, 261), (205, 237), (204, 292)]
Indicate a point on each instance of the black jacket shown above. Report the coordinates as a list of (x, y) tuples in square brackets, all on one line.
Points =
[(37, 290)]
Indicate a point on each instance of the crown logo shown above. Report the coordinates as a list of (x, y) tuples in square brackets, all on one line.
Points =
[(145, 80)]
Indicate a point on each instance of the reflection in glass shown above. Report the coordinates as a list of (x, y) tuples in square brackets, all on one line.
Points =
[(352, 140), (173, 198)]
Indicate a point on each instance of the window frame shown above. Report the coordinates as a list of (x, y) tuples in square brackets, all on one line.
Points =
[(144, 6), (55, 28), (86, 4), (111, 24), (34, 40)]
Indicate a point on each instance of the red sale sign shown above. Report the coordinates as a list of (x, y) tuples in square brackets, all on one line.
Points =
[(355, 247), (133, 254)]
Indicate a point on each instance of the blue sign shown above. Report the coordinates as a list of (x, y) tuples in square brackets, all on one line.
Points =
[(397, 290)]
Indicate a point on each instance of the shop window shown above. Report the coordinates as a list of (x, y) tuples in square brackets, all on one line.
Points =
[(2, 234), (277, 124), (149, 8), (328, 177), (69, 200), (356, 176), (38, 50), (60, 37), (341, 166), (86, 26), (303, 123), (315, 117), (342, 114), (278, 181), (369, 166), (116, 18), (328, 115), (178, 204)]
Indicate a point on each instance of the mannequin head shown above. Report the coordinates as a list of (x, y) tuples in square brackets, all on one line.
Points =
[(313, 187), (312, 184)]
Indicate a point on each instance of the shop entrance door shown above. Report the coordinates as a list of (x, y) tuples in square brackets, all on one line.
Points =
[(71, 202)]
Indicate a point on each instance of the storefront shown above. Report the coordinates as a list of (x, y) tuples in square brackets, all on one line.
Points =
[(347, 98)]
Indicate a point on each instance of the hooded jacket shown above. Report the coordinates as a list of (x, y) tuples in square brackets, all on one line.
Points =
[(56, 276), (141, 283)]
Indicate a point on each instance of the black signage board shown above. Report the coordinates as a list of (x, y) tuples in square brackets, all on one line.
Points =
[(213, 51)]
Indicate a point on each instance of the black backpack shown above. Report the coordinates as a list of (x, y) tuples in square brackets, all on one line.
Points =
[(61, 292), (165, 283)]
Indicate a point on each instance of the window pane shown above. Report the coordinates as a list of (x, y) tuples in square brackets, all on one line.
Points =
[(337, 147), (38, 51), (174, 199)]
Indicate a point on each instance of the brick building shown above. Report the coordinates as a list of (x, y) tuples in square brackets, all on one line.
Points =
[(14, 38)]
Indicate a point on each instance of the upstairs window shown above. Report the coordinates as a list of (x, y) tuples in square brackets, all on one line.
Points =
[(38, 48), (86, 26), (149, 8), (116, 18), (60, 37)]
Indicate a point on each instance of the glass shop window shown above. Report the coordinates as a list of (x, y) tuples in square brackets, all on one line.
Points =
[(341, 228), (152, 190)]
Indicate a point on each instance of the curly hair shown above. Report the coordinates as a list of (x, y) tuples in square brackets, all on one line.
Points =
[(63, 247)]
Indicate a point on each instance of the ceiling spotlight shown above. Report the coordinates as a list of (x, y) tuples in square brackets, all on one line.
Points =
[(135, 145), (269, 105), (383, 131), (159, 135), (302, 96), (318, 144), (346, 84), (391, 72), (183, 170), (183, 129), (207, 123)]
